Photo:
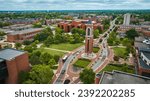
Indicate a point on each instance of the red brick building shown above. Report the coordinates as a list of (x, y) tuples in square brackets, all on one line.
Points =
[(142, 29), (143, 61), (20, 36), (69, 24), (12, 62)]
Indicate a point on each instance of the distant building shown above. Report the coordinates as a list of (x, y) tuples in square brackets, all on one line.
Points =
[(126, 19), (23, 20), (12, 62), (20, 36), (138, 43), (139, 28), (52, 21), (20, 32), (68, 25), (118, 77)]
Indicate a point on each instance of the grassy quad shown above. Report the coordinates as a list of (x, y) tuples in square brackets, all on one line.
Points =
[(82, 63), (52, 52), (96, 49), (66, 46), (121, 52)]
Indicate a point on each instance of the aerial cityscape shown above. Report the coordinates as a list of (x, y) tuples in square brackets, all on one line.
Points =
[(75, 46)]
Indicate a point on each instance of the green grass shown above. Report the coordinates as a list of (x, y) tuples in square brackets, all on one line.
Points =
[(66, 46), (123, 68), (96, 49), (52, 52), (82, 63), (120, 52)]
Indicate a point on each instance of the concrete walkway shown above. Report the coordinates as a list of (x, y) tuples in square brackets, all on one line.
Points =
[(64, 51)]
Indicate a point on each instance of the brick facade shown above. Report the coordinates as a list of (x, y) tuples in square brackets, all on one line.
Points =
[(15, 66), (68, 25)]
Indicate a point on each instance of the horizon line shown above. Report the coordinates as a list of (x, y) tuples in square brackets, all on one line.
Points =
[(76, 10)]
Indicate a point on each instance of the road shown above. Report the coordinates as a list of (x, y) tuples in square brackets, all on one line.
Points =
[(65, 66), (105, 51)]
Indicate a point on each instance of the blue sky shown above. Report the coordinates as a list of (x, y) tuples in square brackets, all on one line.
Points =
[(73, 4)]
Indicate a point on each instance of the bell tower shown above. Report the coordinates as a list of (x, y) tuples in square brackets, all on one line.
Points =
[(89, 39), (88, 54)]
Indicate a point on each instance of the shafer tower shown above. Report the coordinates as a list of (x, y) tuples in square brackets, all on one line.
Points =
[(89, 42)]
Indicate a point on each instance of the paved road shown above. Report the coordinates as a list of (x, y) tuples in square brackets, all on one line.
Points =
[(65, 66), (105, 51)]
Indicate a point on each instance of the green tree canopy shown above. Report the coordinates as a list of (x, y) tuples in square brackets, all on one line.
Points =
[(18, 45), (96, 33), (45, 58), (132, 33), (40, 74), (87, 76)]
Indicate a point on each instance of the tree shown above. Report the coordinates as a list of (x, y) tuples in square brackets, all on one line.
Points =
[(48, 41), (87, 76), (58, 30), (35, 58), (29, 49), (23, 76), (40, 74), (27, 42), (52, 62), (132, 33), (2, 33), (44, 34), (45, 58), (126, 42), (77, 38), (37, 25), (81, 32), (96, 33), (18, 45), (56, 57)]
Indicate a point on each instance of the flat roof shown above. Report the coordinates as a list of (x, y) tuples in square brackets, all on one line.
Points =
[(143, 64), (25, 31), (146, 52), (141, 45), (8, 54), (118, 77)]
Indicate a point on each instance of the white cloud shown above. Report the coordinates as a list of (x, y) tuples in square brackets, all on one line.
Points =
[(73, 4)]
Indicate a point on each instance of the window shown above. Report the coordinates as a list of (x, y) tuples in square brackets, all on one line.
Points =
[(89, 31)]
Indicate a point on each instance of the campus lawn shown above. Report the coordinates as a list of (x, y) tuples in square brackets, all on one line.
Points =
[(66, 46), (123, 68), (121, 52), (96, 49), (82, 63), (52, 52)]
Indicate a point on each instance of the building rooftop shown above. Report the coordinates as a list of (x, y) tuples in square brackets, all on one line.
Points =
[(140, 45), (8, 54), (25, 31), (143, 64), (117, 77), (146, 52)]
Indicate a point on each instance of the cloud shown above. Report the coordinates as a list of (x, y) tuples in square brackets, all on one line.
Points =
[(73, 4)]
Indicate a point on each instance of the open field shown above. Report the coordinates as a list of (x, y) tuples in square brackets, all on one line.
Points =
[(66, 46), (120, 52), (82, 63)]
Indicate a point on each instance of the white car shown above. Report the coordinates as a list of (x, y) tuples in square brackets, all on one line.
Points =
[(146, 42)]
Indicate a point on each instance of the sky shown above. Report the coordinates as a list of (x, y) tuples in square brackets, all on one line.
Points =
[(73, 4)]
